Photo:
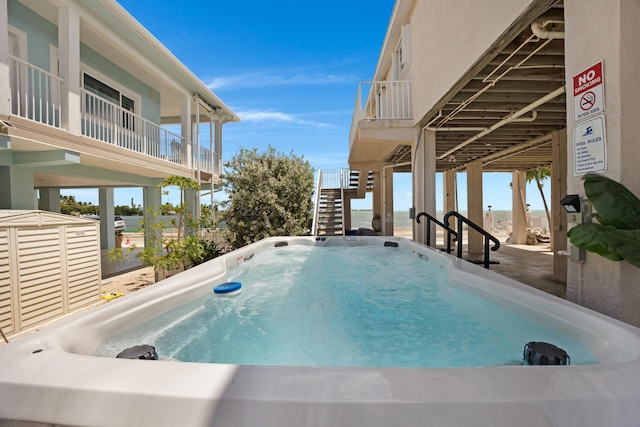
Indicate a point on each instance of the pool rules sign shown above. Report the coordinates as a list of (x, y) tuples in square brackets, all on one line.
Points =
[(589, 141)]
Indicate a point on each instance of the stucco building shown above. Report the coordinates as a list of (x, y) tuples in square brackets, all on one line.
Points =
[(87, 95), (489, 86)]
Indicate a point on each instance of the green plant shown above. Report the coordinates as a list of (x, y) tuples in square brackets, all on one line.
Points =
[(539, 175), (616, 236), (269, 195), (176, 243)]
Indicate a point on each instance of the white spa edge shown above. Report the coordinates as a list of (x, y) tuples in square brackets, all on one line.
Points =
[(62, 384)]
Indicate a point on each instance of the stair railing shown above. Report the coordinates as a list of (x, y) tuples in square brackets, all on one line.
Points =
[(344, 182), (450, 232), (487, 236), (316, 208)]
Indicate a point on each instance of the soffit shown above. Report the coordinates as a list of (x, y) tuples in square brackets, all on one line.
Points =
[(525, 71)]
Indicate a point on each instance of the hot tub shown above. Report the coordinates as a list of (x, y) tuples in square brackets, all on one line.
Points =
[(51, 376)]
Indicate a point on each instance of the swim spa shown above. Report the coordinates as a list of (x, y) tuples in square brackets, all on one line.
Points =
[(54, 377)]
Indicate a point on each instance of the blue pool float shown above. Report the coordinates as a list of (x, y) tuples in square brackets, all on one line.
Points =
[(228, 289)]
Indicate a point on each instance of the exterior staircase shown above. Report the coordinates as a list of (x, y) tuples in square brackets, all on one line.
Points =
[(329, 219), (331, 190)]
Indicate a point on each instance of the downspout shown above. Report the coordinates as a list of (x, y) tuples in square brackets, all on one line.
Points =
[(211, 154), (509, 119)]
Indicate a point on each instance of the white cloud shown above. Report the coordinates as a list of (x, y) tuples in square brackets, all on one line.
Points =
[(274, 117), (270, 78)]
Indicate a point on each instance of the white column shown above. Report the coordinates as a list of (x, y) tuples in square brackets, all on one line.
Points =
[(474, 206), (387, 201), (5, 86), (424, 183), (50, 199), (69, 54), (558, 226), (16, 188), (107, 231), (449, 199), (376, 200), (218, 149), (152, 200), (186, 129), (519, 209)]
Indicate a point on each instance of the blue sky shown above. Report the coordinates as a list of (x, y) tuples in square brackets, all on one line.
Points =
[(290, 71)]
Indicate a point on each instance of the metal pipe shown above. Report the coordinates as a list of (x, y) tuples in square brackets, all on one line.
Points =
[(506, 120), (454, 129), (538, 30)]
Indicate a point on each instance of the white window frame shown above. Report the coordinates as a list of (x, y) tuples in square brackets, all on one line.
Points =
[(92, 72), (22, 42)]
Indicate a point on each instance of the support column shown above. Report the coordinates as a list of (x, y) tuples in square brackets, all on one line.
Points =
[(424, 184), (346, 209), (107, 231), (5, 86), (16, 190), (449, 184), (192, 200), (474, 206), (609, 287), (558, 226), (186, 131), (152, 200), (378, 211), (50, 199), (69, 67), (387, 201), (519, 207)]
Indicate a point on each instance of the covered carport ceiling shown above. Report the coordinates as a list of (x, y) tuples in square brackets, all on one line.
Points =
[(524, 80)]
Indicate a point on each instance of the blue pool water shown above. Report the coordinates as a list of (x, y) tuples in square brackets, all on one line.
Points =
[(342, 306)]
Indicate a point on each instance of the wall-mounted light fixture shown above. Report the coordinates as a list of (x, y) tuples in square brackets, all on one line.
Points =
[(571, 203)]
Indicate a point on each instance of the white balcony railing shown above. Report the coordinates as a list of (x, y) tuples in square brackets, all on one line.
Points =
[(382, 100), (35, 93), (112, 124)]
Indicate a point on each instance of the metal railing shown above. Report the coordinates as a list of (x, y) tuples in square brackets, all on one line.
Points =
[(35, 93), (108, 122), (461, 219), (449, 232), (382, 100), (334, 179)]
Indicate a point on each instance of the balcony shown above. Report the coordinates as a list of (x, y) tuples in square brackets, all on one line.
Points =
[(36, 96), (382, 119)]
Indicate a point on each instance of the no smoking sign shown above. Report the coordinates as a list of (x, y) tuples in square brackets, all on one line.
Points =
[(588, 92)]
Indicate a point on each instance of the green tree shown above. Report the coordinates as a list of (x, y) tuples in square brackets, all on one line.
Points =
[(269, 195), (539, 175)]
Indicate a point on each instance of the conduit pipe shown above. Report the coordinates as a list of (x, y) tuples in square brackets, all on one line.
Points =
[(505, 121), (538, 30)]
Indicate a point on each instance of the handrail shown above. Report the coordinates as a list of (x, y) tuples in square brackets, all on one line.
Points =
[(314, 224), (487, 236), (430, 219)]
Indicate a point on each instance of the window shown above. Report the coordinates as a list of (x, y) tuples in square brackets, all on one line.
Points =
[(113, 95)]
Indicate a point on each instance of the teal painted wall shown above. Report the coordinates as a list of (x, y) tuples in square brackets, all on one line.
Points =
[(42, 33), (150, 107)]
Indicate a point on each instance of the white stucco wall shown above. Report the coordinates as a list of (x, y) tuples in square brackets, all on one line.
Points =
[(438, 29), (607, 31)]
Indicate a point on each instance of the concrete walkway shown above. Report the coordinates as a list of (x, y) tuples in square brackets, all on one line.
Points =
[(532, 265)]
